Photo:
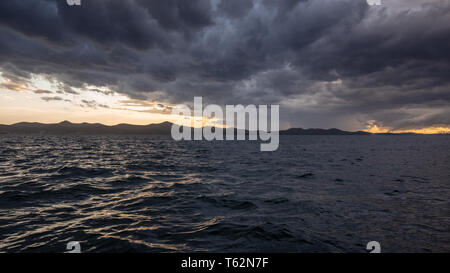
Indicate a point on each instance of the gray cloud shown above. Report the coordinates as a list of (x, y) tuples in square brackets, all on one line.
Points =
[(92, 104), (40, 91), (329, 63), (52, 98)]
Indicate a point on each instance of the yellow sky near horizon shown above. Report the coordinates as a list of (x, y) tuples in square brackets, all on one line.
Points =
[(42, 100), (39, 100), (425, 131), (373, 128)]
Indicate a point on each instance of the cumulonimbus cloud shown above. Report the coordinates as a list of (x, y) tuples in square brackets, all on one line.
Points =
[(328, 63)]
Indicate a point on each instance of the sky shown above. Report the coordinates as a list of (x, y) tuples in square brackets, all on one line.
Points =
[(327, 63)]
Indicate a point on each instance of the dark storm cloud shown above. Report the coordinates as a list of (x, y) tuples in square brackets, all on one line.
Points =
[(235, 8), (32, 18), (92, 104), (52, 99), (179, 15), (40, 91), (329, 63)]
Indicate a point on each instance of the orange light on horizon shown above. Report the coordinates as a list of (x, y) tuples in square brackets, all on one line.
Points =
[(426, 131)]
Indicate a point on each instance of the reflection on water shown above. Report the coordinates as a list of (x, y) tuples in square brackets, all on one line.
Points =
[(152, 194)]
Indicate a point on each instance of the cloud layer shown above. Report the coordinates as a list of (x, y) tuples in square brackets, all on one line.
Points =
[(328, 63)]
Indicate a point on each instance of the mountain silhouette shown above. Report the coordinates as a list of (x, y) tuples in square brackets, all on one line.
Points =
[(69, 128), (334, 131)]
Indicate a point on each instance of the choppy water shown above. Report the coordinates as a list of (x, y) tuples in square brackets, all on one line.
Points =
[(152, 194)]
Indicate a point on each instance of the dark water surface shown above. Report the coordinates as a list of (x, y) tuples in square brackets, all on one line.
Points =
[(152, 194)]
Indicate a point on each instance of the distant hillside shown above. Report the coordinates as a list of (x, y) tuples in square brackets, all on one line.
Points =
[(68, 128), (300, 131)]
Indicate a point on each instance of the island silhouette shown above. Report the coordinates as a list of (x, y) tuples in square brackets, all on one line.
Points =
[(164, 128)]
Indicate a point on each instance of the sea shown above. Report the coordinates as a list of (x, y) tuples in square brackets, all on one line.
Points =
[(153, 194)]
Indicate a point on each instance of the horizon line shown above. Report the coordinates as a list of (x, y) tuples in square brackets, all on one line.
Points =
[(97, 123)]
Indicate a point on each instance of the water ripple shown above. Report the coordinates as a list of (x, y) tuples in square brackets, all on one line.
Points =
[(152, 194)]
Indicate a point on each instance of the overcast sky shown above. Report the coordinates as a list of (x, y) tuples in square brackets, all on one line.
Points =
[(327, 63)]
